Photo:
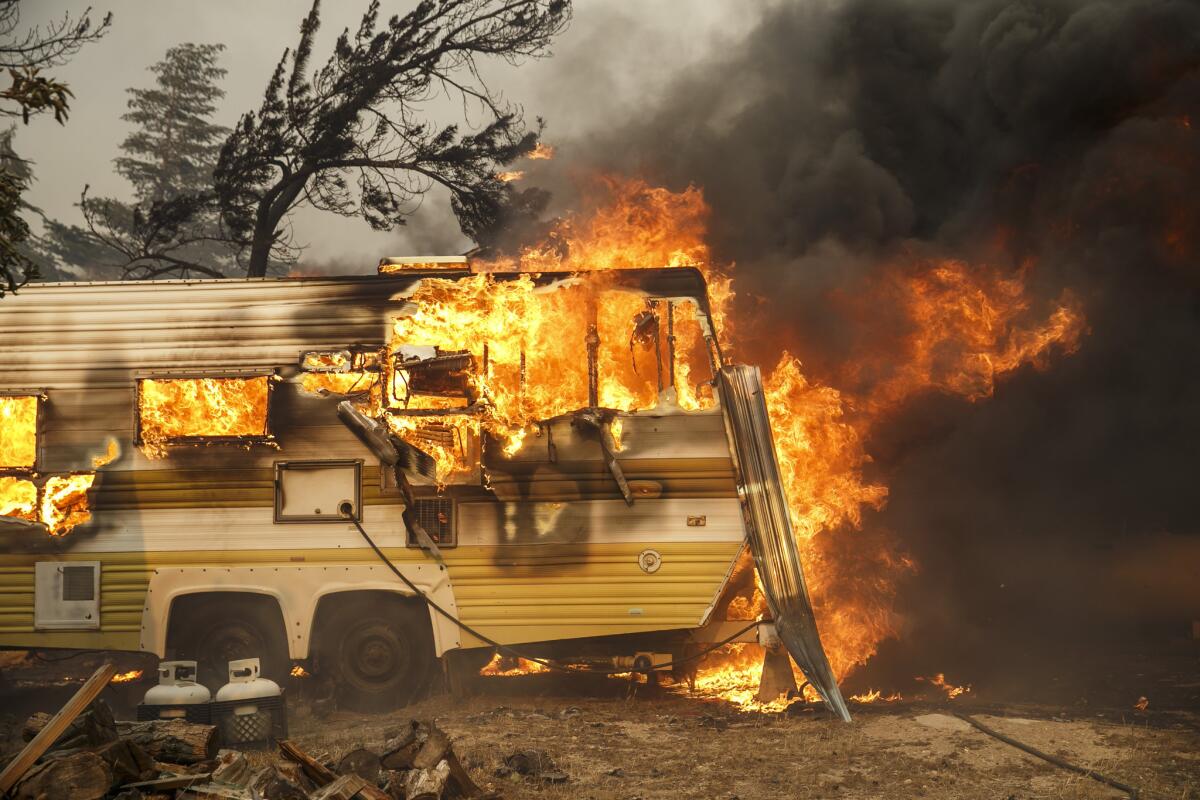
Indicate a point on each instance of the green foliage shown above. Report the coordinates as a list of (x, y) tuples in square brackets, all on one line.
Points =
[(25, 53), (33, 93), (352, 137)]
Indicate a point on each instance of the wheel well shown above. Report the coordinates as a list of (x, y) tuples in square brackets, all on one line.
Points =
[(192, 606), (330, 606)]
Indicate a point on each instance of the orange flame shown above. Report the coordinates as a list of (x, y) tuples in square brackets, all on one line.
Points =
[(541, 151), (175, 409), (510, 176), (630, 225), (18, 432), (507, 667), (126, 677), (533, 341), (18, 498), (874, 696), (950, 689), (1142, 704), (60, 502), (968, 324), (299, 671)]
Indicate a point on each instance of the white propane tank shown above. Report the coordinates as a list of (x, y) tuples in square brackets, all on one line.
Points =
[(249, 709), (177, 695)]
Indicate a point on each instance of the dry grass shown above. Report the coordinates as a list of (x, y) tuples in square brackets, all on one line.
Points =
[(673, 747)]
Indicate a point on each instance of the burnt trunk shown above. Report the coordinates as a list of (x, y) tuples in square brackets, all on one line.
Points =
[(174, 740), (427, 784)]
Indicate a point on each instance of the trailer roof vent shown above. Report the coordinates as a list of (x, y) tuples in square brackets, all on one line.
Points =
[(390, 266)]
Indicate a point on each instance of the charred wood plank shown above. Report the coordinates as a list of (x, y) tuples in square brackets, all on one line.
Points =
[(55, 726), (318, 773)]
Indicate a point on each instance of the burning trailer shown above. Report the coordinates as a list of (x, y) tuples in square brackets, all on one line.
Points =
[(359, 475)]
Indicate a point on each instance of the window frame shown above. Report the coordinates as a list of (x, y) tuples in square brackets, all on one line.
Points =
[(39, 397), (268, 437)]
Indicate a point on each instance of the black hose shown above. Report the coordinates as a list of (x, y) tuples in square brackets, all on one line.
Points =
[(503, 648), (1055, 760)]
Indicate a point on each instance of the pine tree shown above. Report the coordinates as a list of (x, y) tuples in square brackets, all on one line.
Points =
[(174, 147), (171, 227)]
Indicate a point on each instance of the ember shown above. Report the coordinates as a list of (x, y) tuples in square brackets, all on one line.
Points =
[(950, 689), (126, 677), (875, 695), (508, 667), (298, 671)]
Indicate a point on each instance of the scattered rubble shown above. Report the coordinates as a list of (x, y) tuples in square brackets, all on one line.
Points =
[(83, 753)]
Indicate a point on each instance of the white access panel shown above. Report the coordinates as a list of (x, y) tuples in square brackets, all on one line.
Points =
[(313, 491), (66, 595)]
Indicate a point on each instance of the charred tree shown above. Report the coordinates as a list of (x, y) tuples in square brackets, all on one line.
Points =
[(354, 139)]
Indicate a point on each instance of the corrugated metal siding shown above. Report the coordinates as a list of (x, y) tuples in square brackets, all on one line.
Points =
[(86, 344), (99, 335)]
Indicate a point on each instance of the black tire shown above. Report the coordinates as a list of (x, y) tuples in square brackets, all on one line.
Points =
[(378, 650), (215, 631)]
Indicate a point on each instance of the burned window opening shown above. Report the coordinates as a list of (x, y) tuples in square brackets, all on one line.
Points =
[(19, 418), (350, 372), (440, 381), (646, 334), (190, 411), (535, 351)]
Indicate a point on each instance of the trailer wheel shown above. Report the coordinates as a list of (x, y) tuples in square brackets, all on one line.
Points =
[(379, 654), (214, 630)]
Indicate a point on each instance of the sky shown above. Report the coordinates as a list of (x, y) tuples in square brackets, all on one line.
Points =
[(625, 52)]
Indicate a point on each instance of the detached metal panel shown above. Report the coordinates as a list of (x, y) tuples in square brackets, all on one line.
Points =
[(770, 526)]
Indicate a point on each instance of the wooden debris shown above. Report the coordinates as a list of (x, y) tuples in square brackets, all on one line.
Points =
[(433, 750), (56, 726), (349, 787), (427, 784), (129, 762), (461, 778), (174, 740), (169, 783), (79, 776), (361, 762), (316, 772)]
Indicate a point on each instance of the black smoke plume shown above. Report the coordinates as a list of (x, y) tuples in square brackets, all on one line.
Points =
[(1058, 138)]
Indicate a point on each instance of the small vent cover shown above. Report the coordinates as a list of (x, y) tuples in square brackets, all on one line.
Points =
[(78, 583), (66, 595), (436, 515)]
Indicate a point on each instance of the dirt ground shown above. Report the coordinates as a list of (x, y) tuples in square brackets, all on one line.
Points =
[(672, 747), (615, 742)]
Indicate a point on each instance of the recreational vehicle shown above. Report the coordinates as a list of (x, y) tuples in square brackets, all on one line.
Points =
[(363, 474)]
